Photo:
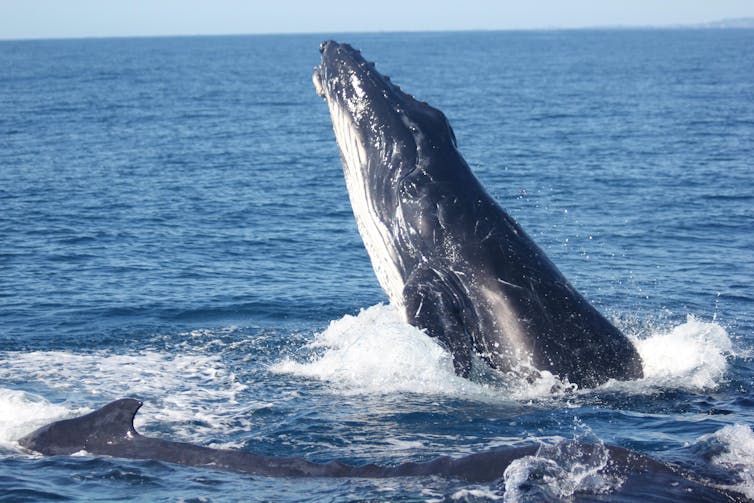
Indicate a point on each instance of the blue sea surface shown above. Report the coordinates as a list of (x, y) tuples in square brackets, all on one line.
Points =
[(174, 227)]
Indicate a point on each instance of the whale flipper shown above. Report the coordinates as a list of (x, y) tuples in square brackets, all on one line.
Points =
[(433, 303)]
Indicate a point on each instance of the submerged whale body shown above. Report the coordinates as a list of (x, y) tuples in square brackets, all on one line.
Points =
[(109, 431), (447, 255)]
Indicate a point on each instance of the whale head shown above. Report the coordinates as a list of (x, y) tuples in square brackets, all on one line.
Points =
[(394, 150)]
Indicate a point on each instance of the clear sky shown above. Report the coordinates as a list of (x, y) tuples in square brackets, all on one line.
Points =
[(111, 18)]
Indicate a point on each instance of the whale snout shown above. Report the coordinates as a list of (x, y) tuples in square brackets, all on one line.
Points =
[(325, 44)]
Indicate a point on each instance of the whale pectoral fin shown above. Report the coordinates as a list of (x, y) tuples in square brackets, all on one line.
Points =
[(432, 305)]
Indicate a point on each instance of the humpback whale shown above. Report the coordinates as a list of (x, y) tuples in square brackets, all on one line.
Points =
[(452, 261), (109, 431)]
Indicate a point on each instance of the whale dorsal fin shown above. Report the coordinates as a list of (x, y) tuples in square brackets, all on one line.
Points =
[(110, 424), (115, 419)]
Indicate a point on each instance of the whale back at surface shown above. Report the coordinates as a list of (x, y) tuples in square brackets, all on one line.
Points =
[(109, 431)]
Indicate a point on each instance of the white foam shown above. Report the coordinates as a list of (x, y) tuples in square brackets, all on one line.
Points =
[(179, 390), (696, 351), (736, 454), (376, 352), (476, 493), (693, 356)]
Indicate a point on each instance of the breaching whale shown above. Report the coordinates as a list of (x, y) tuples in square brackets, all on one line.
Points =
[(109, 431), (448, 256)]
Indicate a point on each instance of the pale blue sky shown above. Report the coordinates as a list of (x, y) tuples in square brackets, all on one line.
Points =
[(110, 18)]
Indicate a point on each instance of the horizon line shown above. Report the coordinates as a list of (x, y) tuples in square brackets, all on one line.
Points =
[(720, 24)]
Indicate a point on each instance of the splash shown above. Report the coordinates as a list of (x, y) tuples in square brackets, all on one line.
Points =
[(377, 352), (560, 470), (22, 412), (691, 356)]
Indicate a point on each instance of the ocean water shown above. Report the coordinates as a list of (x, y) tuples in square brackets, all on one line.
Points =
[(174, 227)]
